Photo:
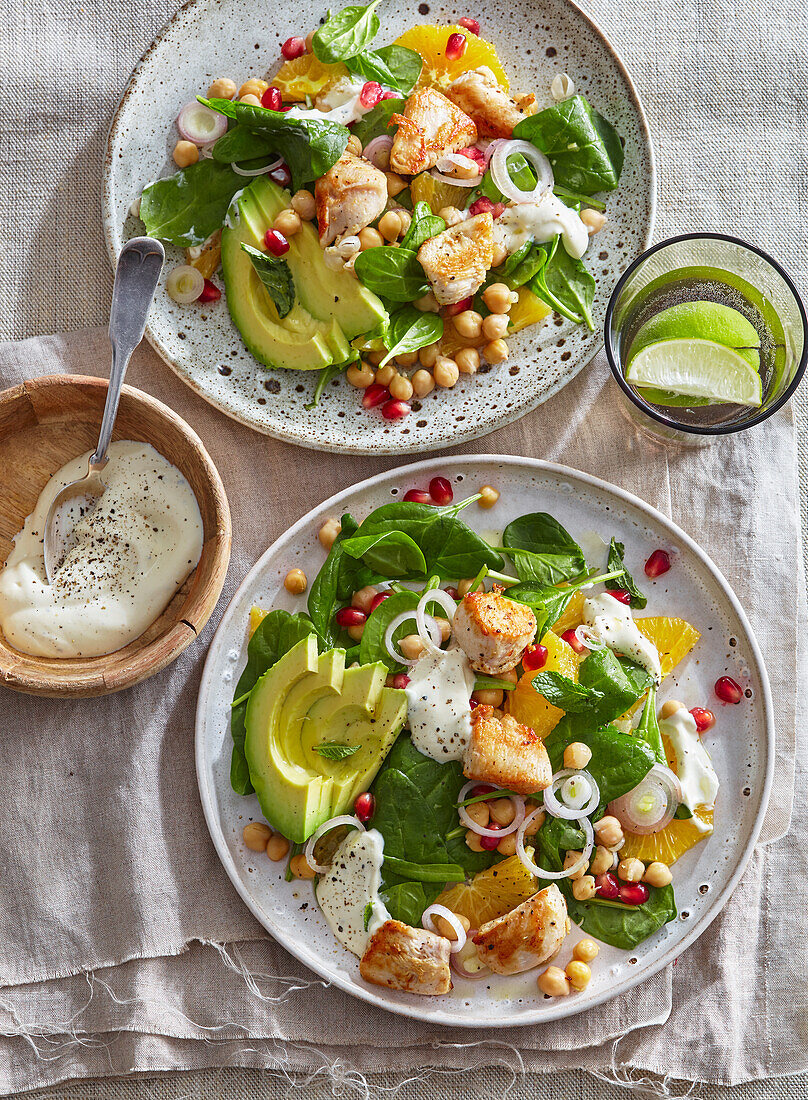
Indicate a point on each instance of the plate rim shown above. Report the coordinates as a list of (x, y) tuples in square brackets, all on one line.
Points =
[(564, 1009), (109, 226)]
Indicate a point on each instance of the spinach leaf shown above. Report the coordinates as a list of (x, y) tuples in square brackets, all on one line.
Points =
[(376, 122), (309, 146), (648, 728), (346, 33), (392, 273), (522, 176), (528, 267), (276, 278), (333, 370), (406, 901), (277, 633), (566, 694), (394, 66), (324, 592), (569, 282), (625, 580), (372, 647), (620, 682), (424, 872), (554, 839), (424, 225), (547, 602), (392, 553), (553, 556), (623, 926), (184, 209), (584, 149), (335, 750), (576, 200), (619, 760), (410, 329), (240, 144)]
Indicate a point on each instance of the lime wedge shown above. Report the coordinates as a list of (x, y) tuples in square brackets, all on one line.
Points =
[(701, 321), (697, 368)]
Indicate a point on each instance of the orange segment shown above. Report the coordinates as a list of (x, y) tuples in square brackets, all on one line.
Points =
[(257, 616), (671, 842), (674, 638), (574, 611), (525, 703), (491, 893), (306, 76), (529, 310), (439, 70), (425, 188)]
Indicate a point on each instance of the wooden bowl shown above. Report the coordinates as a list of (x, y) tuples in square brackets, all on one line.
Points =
[(43, 424)]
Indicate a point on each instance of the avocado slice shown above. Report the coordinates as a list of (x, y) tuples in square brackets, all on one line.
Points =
[(306, 700)]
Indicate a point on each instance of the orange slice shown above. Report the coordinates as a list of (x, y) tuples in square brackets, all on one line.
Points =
[(529, 310), (671, 842), (439, 70), (257, 616), (674, 638), (491, 893), (574, 611), (306, 76), (425, 188), (525, 703)]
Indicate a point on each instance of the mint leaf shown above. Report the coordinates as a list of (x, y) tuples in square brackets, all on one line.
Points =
[(334, 750)]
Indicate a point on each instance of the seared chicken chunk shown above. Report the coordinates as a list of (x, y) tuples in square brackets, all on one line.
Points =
[(410, 959), (527, 936), (486, 102), (351, 195), (503, 751), (491, 630), (457, 260), (430, 127)]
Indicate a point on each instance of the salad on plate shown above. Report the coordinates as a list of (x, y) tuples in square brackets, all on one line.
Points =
[(392, 213), (463, 742)]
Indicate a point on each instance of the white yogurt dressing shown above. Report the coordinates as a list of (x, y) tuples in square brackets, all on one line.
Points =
[(693, 765), (438, 706), (339, 104), (132, 553), (352, 884), (541, 221), (611, 623)]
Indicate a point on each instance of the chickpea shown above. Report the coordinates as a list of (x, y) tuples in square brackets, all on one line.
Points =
[(496, 351), (386, 374), (608, 831), (300, 868), (277, 847), (288, 222), (445, 628), (429, 355), (364, 597), (356, 631), (428, 303), (445, 372), (487, 698), (256, 835), (495, 326), (502, 811), (500, 255), (406, 219), (250, 100), (360, 376), (401, 388), (488, 496), (473, 841), (295, 582), (464, 586), (395, 184), (570, 859), (553, 982), (670, 707), (498, 297), (579, 974), (375, 357), (536, 823), (583, 888), (304, 204), (223, 88), (585, 951), (422, 383), (507, 846), (512, 677), (468, 360), (369, 238), (443, 928), (630, 870), (407, 359), (328, 532), (354, 146), (390, 225), (602, 862), (412, 647), (468, 324), (593, 220), (577, 755), (658, 874), (253, 86), (479, 813), (185, 154), (451, 215)]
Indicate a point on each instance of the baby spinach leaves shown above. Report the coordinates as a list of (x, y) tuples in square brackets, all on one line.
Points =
[(372, 647), (410, 329), (392, 273), (240, 144), (584, 149), (625, 580), (391, 553), (565, 284), (619, 760), (648, 728), (346, 33), (547, 602), (184, 209), (394, 66), (424, 225), (324, 592), (375, 122), (542, 550), (276, 278), (606, 688), (623, 926)]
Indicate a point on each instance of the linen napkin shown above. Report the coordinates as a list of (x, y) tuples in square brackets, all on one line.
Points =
[(123, 945)]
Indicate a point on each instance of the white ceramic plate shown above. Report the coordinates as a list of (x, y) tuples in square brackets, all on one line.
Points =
[(535, 39), (741, 744)]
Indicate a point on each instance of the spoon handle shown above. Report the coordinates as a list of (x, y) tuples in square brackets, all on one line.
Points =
[(139, 266)]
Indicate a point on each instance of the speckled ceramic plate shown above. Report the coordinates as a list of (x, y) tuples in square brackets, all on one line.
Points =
[(535, 39), (741, 743)]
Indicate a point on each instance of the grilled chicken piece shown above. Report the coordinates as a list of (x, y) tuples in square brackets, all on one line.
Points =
[(528, 936), (491, 630), (410, 959), (351, 195), (430, 127), (486, 102), (503, 751), (456, 262)]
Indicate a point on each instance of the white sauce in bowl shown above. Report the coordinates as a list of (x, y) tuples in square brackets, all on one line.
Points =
[(133, 552)]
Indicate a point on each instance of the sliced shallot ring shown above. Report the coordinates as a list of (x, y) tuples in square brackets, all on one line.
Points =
[(447, 914), (384, 141), (326, 827), (433, 595), (585, 636), (459, 968), (492, 147), (404, 617), (556, 808), (480, 830), (502, 178), (257, 171), (667, 781), (581, 864), (440, 172), (199, 124)]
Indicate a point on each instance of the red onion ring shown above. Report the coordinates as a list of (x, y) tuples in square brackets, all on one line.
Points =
[(501, 175), (257, 171), (384, 141), (470, 823), (659, 782), (405, 616)]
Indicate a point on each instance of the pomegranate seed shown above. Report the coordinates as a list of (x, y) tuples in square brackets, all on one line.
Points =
[(458, 307), (374, 395), (481, 788), (633, 893), (210, 292), (727, 690), (621, 594), (534, 658), (704, 719), (572, 639), (489, 843), (606, 886), (272, 98), (371, 93), (452, 592), (395, 409), (474, 154), (282, 176), (441, 490), (350, 616), (364, 806), (391, 95), (456, 45), (482, 205), (276, 243), (416, 496), (657, 564), (474, 704), (400, 680), (382, 596), (293, 47), (470, 24)]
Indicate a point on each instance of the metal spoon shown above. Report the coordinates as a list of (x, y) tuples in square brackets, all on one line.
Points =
[(139, 266)]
